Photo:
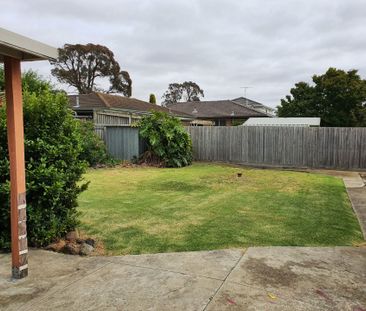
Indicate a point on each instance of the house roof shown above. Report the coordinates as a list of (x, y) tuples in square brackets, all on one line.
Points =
[(282, 122), (252, 103), (24, 48), (216, 109), (98, 100)]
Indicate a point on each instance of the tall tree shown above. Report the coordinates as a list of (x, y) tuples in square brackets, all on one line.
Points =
[(337, 97), (187, 91), (172, 95), (81, 66)]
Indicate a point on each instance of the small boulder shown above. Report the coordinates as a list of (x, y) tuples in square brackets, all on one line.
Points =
[(56, 246), (71, 248), (86, 249), (72, 235), (90, 241)]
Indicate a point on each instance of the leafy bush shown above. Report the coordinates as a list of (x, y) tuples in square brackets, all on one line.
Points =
[(54, 168), (152, 99), (94, 151), (168, 142), (31, 82)]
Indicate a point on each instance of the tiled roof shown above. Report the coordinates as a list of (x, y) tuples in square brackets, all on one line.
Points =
[(216, 109), (86, 101), (105, 101), (247, 101)]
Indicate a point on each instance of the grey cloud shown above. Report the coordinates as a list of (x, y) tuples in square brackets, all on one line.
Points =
[(221, 45)]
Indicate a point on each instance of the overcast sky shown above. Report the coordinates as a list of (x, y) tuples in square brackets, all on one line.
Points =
[(221, 45)]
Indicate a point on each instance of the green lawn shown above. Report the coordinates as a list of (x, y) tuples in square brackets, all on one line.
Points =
[(206, 206)]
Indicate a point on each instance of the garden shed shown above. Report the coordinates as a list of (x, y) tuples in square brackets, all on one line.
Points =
[(14, 49)]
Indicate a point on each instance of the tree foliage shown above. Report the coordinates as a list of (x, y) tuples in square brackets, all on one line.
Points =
[(58, 148), (337, 97), (168, 142), (54, 168), (94, 151), (31, 82), (152, 99), (93, 148), (187, 91), (81, 66)]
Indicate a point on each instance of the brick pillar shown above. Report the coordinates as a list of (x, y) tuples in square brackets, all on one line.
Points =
[(14, 110)]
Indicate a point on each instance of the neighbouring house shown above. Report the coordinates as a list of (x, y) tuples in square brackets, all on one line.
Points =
[(255, 105), (300, 122), (107, 109), (221, 112)]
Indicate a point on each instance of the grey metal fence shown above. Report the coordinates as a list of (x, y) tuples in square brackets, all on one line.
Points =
[(333, 148), (122, 141)]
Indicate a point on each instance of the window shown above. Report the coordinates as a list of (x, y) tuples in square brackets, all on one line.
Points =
[(220, 122)]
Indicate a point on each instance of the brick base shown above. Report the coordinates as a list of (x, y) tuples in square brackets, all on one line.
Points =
[(19, 274)]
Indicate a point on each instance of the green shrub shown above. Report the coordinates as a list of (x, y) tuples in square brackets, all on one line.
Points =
[(152, 99), (94, 151), (167, 141), (54, 168)]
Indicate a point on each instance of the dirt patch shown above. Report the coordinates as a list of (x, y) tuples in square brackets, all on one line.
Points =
[(21, 297), (266, 275)]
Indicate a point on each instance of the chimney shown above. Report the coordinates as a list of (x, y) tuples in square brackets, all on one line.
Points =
[(77, 101)]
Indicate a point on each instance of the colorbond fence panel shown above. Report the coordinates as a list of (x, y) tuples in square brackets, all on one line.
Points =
[(122, 142)]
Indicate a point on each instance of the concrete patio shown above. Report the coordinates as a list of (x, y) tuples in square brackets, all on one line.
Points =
[(259, 278)]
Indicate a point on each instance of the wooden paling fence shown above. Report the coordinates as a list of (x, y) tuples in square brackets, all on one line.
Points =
[(298, 147)]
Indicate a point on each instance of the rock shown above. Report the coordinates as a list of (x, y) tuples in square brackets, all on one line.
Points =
[(71, 248), (56, 246), (51, 247), (86, 249), (90, 241), (72, 235)]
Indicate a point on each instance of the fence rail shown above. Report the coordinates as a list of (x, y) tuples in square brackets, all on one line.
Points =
[(333, 148)]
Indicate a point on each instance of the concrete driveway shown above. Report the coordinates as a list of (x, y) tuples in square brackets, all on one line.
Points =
[(259, 278)]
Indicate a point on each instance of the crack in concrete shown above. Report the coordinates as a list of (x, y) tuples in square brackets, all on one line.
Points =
[(167, 270), (223, 282)]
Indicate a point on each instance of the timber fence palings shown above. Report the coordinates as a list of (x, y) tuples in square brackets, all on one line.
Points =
[(298, 147)]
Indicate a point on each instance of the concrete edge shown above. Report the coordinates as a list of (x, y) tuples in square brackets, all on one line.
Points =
[(355, 210)]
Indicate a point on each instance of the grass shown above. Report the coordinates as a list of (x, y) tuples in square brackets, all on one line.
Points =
[(206, 206)]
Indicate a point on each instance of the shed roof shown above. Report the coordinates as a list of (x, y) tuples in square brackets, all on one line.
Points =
[(282, 122), (24, 48)]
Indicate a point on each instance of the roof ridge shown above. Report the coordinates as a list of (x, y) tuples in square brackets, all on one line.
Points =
[(251, 108), (100, 95), (200, 102), (118, 96), (254, 101)]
